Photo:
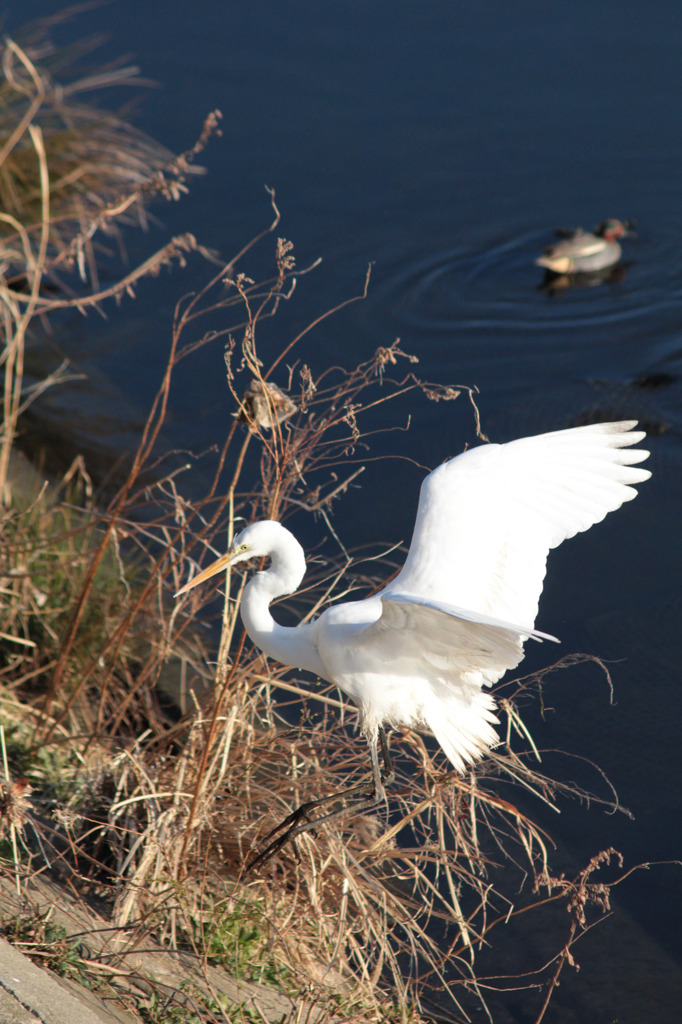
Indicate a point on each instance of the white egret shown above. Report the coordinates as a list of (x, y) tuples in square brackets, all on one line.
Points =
[(420, 651)]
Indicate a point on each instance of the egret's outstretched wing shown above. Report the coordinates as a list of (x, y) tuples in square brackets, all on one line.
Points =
[(488, 518)]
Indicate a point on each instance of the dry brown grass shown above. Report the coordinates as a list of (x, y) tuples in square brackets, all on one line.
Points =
[(70, 177)]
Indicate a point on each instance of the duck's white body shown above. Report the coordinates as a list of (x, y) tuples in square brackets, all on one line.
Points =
[(585, 252)]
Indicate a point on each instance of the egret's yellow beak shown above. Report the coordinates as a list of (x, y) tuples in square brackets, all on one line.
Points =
[(214, 568)]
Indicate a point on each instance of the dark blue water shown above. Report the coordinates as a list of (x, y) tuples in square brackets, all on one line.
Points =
[(444, 142)]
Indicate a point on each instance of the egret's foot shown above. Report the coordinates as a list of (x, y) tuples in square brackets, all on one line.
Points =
[(293, 826)]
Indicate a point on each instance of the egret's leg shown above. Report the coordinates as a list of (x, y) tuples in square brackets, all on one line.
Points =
[(377, 775), (293, 826), (380, 776), (388, 774)]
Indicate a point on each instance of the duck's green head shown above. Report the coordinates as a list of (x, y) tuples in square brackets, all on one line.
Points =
[(612, 229)]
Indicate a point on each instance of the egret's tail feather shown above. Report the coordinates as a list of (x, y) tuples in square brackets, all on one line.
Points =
[(463, 729)]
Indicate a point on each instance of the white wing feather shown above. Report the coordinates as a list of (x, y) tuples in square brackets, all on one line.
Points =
[(413, 634), (488, 518)]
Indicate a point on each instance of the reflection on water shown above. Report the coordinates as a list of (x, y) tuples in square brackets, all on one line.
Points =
[(442, 143), (555, 284)]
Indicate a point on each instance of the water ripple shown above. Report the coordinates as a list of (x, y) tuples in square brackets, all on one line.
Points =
[(494, 285)]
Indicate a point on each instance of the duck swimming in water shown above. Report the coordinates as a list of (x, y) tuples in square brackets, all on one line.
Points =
[(583, 252)]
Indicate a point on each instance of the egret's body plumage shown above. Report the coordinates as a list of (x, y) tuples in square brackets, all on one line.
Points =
[(421, 651)]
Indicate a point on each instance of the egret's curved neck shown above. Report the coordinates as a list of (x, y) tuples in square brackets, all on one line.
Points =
[(290, 645)]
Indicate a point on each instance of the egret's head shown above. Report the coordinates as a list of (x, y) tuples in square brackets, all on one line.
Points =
[(256, 541)]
